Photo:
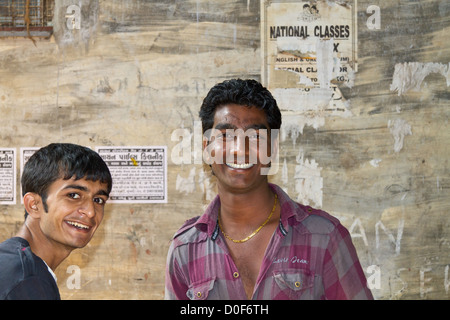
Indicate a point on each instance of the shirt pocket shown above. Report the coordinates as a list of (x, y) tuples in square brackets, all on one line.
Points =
[(294, 284), (200, 290)]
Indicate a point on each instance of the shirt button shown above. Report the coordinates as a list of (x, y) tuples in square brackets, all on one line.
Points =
[(236, 275)]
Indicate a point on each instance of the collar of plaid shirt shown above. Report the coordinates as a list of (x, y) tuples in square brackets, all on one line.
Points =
[(289, 211)]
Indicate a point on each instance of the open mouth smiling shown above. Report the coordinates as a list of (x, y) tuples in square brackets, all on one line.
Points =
[(240, 166), (78, 225)]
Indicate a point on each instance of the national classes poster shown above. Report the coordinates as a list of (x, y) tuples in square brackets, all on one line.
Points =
[(308, 44)]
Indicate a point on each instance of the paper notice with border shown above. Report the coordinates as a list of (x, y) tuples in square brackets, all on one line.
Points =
[(25, 154), (139, 173), (309, 49), (8, 171)]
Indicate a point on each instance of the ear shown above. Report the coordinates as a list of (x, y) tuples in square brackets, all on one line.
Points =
[(206, 157), (274, 155), (274, 146), (32, 202), (205, 142)]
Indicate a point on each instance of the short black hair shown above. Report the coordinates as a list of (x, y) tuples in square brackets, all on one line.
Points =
[(62, 160), (249, 93)]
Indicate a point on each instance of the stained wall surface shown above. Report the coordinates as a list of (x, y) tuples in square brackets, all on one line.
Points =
[(136, 71)]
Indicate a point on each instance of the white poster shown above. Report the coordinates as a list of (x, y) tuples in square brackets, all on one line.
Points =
[(315, 42), (309, 50), (139, 173), (8, 185), (25, 154)]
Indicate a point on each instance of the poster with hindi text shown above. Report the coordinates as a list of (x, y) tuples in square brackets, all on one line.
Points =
[(139, 173), (8, 176)]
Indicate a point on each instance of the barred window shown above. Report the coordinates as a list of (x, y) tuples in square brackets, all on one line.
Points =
[(26, 17)]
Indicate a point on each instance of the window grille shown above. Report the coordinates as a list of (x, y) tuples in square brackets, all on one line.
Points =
[(26, 17)]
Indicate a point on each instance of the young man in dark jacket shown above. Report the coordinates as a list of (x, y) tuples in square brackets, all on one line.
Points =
[(65, 188)]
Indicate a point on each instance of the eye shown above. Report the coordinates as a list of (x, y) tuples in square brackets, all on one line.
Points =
[(216, 136), (74, 195), (254, 136), (229, 135), (262, 134), (99, 201)]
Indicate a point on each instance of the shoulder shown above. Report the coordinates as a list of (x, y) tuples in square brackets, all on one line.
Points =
[(23, 275), (319, 221), (187, 225), (315, 221), (12, 253), (304, 218), (199, 228), (13, 264), (186, 233)]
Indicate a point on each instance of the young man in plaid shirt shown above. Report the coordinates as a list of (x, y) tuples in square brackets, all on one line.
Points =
[(253, 241)]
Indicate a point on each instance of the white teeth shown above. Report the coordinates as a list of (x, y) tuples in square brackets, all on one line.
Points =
[(240, 166), (78, 225)]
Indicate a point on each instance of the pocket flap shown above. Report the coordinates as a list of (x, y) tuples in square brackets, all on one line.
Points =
[(294, 279), (200, 291)]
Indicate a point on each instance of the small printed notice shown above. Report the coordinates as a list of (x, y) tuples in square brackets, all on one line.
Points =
[(139, 173), (8, 176), (25, 154)]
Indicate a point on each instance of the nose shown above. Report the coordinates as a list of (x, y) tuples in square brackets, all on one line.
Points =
[(88, 209), (238, 147)]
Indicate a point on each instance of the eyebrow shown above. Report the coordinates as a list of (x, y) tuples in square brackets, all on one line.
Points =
[(224, 126), (101, 192), (257, 127)]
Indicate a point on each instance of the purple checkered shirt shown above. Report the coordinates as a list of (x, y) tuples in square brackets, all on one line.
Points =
[(310, 256)]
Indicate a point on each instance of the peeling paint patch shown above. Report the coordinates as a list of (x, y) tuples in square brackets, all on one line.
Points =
[(399, 128), (308, 182), (284, 174), (87, 24), (302, 108), (375, 162), (206, 187), (326, 62), (294, 99), (186, 185), (410, 75)]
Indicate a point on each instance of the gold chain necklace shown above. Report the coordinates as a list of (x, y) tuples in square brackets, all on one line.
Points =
[(254, 232)]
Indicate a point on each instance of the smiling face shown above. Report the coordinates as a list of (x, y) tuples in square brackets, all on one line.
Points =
[(75, 211), (240, 138)]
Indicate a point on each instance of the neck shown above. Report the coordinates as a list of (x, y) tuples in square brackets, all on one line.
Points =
[(46, 249), (246, 208)]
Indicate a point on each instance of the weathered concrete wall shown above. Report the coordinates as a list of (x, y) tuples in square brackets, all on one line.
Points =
[(136, 71)]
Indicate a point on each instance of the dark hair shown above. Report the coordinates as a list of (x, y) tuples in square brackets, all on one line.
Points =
[(249, 93), (62, 160)]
